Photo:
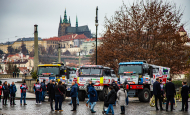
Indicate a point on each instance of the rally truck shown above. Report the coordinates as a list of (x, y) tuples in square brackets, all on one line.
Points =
[(57, 72), (141, 76), (99, 75)]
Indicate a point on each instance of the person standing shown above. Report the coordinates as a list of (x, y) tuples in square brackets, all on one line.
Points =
[(122, 95), (157, 93), (126, 88), (13, 90), (111, 98), (59, 92), (93, 97), (51, 93), (88, 87), (73, 94), (115, 87), (77, 95), (43, 90), (5, 93), (0, 90), (23, 88), (184, 94), (48, 85), (37, 89), (170, 92)]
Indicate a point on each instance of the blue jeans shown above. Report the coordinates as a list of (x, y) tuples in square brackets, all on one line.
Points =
[(58, 98), (77, 100), (42, 96), (23, 95), (110, 107), (38, 96), (89, 99), (127, 100), (92, 105)]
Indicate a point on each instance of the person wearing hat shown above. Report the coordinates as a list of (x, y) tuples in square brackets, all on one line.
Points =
[(37, 89), (93, 97), (23, 88), (51, 93), (43, 90), (122, 95)]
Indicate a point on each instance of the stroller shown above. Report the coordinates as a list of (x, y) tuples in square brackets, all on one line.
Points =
[(106, 104)]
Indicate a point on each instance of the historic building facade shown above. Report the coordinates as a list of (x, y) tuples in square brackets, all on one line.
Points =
[(66, 29)]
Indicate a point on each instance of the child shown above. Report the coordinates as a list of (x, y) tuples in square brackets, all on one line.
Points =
[(122, 95)]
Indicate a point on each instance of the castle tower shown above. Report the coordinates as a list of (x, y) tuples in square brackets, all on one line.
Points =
[(63, 25)]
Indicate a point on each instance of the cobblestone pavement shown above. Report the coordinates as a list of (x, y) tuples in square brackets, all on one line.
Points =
[(134, 108)]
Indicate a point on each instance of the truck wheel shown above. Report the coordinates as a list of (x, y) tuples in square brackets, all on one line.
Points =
[(81, 95), (101, 95), (144, 95)]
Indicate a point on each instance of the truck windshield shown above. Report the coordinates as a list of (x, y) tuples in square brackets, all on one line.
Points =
[(50, 69), (130, 69), (90, 71)]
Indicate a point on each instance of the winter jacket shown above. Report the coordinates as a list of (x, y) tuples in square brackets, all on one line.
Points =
[(5, 89), (93, 94), (23, 88), (52, 91), (121, 95), (43, 85), (13, 89), (115, 86), (73, 92), (37, 87), (60, 90), (112, 96), (88, 86), (0, 89)]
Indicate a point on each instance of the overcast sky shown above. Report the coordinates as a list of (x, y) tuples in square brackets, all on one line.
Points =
[(17, 17)]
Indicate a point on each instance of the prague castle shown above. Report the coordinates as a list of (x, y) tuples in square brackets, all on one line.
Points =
[(66, 29)]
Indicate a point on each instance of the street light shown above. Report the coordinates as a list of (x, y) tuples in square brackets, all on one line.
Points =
[(96, 24)]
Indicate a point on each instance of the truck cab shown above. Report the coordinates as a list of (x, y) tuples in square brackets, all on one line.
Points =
[(141, 76)]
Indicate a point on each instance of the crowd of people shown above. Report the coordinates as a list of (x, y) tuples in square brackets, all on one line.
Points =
[(168, 90)]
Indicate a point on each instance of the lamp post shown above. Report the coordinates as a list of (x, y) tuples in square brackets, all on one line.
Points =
[(36, 59), (96, 24)]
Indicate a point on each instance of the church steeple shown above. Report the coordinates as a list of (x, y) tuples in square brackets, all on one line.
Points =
[(65, 17), (60, 20), (69, 20), (76, 22)]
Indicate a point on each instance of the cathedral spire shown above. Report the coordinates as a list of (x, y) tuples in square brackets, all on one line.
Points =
[(69, 20), (65, 17), (60, 20), (76, 22)]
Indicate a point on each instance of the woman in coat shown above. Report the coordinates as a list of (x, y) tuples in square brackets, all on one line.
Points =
[(93, 97), (122, 95), (111, 98)]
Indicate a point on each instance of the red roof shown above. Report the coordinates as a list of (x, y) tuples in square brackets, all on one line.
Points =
[(31, 58), (92, 39), (16, 55), (53, 39)]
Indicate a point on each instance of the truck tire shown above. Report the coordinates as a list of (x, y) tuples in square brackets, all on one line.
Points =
[(81, 95), (144, 95), (101, 95)]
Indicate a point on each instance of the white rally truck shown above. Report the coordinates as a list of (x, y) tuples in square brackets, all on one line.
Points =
[(99, 75), (141, 76)]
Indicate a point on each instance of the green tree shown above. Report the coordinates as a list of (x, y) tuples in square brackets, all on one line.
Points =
[(23, 48), (1, 52), (10, 50)]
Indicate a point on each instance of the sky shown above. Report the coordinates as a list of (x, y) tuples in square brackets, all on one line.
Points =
[(18, 17)]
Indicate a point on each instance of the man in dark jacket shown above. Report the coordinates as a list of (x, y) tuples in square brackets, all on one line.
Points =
[(157, 93), (111, 98), (37, 89), (43, 84), (93, 97), (12, 92), (59, 91), (48, 85), (73, 94), (5, 93), (126, 87), (170, 92), (88, 87), (115, 87), (51, 93), (184, 94)]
